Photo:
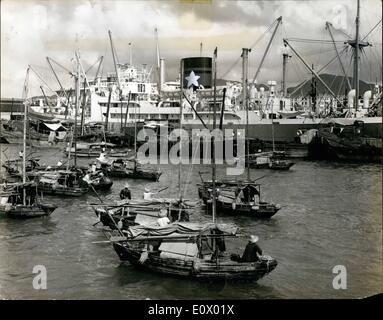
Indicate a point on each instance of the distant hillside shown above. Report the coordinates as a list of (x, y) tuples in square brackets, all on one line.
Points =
[(336, 84)]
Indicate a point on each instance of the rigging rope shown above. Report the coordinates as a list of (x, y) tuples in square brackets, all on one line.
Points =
[(372, 30), (251, 47), (188, 179), (313, 41)]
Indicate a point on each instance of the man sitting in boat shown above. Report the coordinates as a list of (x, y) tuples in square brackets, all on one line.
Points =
[(102, 158), (246, 194), (93, 167), (125, 193), (87, 178), (252, 250), (147, 194), (163, 219)]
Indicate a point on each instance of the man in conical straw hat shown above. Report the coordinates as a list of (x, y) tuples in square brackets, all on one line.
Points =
[(252, 250)]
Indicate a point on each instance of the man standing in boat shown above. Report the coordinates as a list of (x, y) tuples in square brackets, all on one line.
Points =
[(125, 193), (252, 250)]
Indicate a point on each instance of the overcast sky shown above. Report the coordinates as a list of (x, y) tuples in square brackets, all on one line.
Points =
[(32, 30)]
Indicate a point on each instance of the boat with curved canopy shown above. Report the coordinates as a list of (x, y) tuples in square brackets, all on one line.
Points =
[(238, 197), (189, 250), (21, 200), (129, 168)]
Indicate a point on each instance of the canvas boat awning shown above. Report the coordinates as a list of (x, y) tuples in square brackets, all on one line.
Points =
[(290, 114), (340, 121), (54, 126), (177, 229)]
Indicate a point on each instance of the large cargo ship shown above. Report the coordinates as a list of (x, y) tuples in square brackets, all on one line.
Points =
[(128, 96)]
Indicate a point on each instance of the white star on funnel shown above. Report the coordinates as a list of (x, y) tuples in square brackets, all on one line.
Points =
[(192, 79)]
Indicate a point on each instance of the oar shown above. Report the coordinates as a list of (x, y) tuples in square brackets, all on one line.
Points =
[(122, 205), (162, 189), (261, 177), (94, 190), (107, 211)]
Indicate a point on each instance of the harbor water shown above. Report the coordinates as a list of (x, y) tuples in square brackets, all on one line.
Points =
[(331, 215)]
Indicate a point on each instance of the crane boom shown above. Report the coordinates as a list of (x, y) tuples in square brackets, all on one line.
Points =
[(114, 59), (279, 20), (312, 70)]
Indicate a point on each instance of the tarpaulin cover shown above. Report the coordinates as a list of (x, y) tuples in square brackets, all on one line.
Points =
[(178, 250), (179, 228), (54, 126), (49, 178), (340, 121), (290, 114)]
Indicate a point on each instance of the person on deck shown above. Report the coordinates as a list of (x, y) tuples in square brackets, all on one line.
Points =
[(125, 193), (87, 178), (252, 250), (163, 219), (147, 194)]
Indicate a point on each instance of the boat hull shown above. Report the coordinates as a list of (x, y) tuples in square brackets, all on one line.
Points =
[(225, 269), (106, 184), (138, 174), (28, 211), (282, 165), (62, 191), (112, 218), (261, 210)]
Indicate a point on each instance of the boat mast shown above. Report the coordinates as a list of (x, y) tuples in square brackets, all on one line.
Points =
[(127, 111), (214, 203), (272, 125), (83, 108), (25, 96), (158, 62), (130, 53), (117, 74), (135, 135), (108, 109), (356, 57), (245, 75), (77, 100), (313, 93), (180, 128)]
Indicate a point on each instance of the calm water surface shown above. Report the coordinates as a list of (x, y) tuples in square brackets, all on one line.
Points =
[(332, 215)]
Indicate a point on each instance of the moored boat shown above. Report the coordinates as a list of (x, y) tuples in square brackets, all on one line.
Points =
[(129, 168), (93, 150), (61, 182), (189, 250), (21, 201), (239, 198)]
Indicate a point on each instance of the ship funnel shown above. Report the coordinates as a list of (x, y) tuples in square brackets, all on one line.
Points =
[(350, 98), (366, 99), (162, 73)]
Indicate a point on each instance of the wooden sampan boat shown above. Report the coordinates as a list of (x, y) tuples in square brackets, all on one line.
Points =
[(12, 202), (188, 250)]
